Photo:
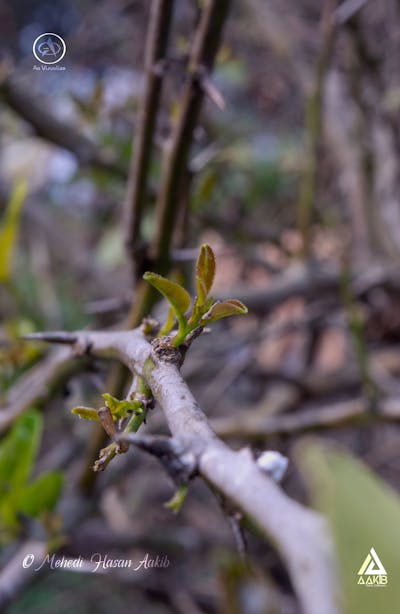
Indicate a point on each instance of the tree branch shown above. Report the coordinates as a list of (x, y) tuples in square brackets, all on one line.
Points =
[(256, 426), (49, 127), (14, 577), (299, 534), (200, 64), (168, 208), (38, 384), (156, 44)]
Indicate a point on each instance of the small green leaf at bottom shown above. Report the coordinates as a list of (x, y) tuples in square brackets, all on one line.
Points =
[(42, 494), (178, 499)]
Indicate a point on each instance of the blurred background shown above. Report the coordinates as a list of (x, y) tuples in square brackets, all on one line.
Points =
[(294, 182)]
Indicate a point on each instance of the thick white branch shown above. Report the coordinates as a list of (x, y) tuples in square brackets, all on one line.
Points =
[(299, 534)]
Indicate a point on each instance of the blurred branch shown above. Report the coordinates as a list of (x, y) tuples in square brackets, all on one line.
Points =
[(157, 38), (156, 45), (46, 125), (205, 46), (299, 533), (347, 9), (313, 281), (314, 111), (38, 384), (297, 281), (14, 577), (169, 204), (255, 425)]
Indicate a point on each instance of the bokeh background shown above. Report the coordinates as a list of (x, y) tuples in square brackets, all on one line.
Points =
[(294, 181)]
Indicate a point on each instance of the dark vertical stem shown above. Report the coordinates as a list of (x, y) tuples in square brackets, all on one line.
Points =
[(202, 58), (201, 61), (169, 206), (156, 46)]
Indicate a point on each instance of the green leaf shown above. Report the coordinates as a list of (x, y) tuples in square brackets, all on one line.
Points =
[(121, 409), (42, 494), (178, 499), (18, 451), (111, 402), (87, 413), (363, 512), (230, 307), (205, 273), (9, 228), (173, 292)]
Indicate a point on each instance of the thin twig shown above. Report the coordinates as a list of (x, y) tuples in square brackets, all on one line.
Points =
[(168, 208), (314, 119), (20, 571), (348, 9), (204, 50), (38, 384), (156, 45), (46, 125), (256, 426)]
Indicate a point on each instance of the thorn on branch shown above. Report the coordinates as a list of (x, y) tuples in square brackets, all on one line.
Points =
[(53, 337), (83, 346), (235, 518), (238, 534), (212, 92), (201, 77)]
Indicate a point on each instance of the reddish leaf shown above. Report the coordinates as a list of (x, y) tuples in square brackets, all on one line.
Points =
[(205, 272)]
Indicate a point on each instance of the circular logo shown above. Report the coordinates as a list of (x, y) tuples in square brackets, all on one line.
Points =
[(49, 48)]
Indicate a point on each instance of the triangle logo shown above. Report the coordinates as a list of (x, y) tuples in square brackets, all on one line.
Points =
[(372, 565)]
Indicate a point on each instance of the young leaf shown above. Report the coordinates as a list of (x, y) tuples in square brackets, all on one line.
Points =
[(87, 413), (173, 292), (42, 494), (230, 307), (205, 273), (111, 402), (9, 228), (121, 409), (18, 451), (178, 499)]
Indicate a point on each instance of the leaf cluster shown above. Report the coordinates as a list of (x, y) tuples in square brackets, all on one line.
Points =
[(204, 310), (19, 495), (119, 409)]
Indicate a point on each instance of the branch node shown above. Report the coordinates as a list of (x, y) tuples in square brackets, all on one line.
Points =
[(164, 352)]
